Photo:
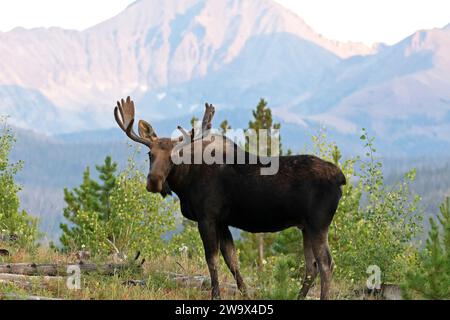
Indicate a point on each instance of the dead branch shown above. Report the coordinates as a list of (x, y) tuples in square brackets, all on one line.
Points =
[(14, 296)]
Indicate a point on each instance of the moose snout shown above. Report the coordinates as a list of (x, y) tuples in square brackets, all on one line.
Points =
[(154, 183)]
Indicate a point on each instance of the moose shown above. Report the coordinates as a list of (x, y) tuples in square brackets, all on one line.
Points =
[(304, 193)]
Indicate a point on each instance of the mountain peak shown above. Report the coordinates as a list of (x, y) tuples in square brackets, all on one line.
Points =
[(222, 19)]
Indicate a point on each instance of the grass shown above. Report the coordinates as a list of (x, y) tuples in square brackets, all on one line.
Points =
[(158, 285)]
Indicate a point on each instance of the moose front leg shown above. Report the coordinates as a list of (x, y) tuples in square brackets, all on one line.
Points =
[(209, 234)]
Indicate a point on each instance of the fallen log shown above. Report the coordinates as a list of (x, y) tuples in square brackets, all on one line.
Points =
[(13, 296), (21, 277), (31, 269), (27, 282)]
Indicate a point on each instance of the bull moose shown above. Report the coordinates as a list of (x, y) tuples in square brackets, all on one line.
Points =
[(304, 193)]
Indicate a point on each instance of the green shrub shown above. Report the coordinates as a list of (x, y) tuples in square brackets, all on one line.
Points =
[(187, 242), (279, 279), (129, 218), (375, 223), (14, 223)]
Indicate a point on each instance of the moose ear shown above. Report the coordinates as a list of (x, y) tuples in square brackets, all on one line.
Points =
[(146, 131)]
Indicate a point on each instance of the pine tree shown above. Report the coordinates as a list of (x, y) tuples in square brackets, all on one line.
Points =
[(107, 176), (90, 196), (194, 122), (431, 280), (224, 127), (262, 120)]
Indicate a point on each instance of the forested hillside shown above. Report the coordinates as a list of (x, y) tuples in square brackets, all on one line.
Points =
[(53, 163)]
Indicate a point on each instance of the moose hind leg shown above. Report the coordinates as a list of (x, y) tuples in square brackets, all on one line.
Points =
[(311, 269), (209, 234), (324, 261), (229, 255)]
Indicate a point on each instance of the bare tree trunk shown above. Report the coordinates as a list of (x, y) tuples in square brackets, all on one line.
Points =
[(260, 249)]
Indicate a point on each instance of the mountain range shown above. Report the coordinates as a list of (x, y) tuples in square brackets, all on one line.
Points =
[(174, 55), (59, 88)]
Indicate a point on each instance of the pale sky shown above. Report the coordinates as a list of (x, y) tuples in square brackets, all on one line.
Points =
[(367, 21)]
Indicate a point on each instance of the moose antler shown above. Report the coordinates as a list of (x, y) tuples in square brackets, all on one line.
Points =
[(206, 125), (207, 117), (124, 114), (186, 136)]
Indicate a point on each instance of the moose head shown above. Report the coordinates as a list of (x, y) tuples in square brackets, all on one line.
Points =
[(160, 149)]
